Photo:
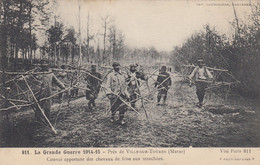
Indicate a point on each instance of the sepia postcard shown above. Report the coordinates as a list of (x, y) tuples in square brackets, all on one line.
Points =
[(129, 82)]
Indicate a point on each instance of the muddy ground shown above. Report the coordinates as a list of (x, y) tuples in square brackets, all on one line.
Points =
[(220, 123)]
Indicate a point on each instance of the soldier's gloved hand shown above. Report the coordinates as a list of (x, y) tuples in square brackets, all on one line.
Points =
[(110, 96), (126, 94)]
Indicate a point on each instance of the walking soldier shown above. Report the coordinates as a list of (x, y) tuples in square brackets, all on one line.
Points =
[(163, 83), (47, 78), (117, 93), (133, 84), (201, 76), (93, 83)]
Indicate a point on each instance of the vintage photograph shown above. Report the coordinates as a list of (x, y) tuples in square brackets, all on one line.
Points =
[(110, 73)]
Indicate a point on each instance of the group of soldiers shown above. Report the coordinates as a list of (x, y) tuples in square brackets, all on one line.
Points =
[(122, 89)]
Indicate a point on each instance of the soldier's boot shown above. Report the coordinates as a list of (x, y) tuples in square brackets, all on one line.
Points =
[(122, 122), (200, 95), (112, 119), (89, 104), (121, 119), (164, 100), (77, 92), (93, 103), (158, 100)]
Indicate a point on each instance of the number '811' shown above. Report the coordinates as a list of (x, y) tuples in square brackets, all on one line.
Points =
[(25, 152)]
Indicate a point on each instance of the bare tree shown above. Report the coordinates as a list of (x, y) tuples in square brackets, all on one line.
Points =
[(112, 40), (89, 38), (105, 20), (237, 33), (80, 55)]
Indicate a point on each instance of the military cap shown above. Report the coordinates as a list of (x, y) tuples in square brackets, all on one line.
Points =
[(163, 68), (115, 65), (133, 66), (93, 66)]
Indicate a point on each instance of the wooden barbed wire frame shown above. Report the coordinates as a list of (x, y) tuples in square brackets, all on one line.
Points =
[(18, 104), (186, 70), (21, 76)]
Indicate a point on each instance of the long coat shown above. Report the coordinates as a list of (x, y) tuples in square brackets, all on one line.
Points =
[(45, 90)]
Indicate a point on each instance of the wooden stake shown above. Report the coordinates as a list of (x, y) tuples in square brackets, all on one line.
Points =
[(121, 100), (142, 101), (14, 105), (53, 129), (215, 69)]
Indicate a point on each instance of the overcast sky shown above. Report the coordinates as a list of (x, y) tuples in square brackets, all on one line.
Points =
[(162, 24)]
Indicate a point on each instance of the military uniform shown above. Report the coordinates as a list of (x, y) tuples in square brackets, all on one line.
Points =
[(93, 83), (200, 74), (116, 86), (133, 81), (47, 80), (163, 83)]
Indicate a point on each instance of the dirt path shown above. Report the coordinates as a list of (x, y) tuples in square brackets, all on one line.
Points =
[(231, 123)]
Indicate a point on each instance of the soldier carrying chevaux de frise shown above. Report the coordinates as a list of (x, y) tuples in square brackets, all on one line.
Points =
[(163, 83), (202, 77), (133, 82), (93, 79), (117, 92)]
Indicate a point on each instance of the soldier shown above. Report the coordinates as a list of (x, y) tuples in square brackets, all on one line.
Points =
[(116, 86), (201, 75), (47, 78), (93, 83), (133, 84), (164, 83)]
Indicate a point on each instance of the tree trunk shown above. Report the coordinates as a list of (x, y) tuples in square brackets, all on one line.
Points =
[(104, 51), (72, 58), (55, 54), (16, 50), (3, 34), (88, 57), (114, 45), (34, 53), (12, 49), (30, 28), (20, 28), (59, 54), (237, 33)]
